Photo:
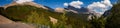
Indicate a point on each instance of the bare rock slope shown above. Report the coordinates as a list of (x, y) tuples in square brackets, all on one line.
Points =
[(6, 23)]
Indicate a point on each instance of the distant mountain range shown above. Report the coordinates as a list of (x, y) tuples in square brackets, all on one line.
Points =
[(83, 12), (75, 17)]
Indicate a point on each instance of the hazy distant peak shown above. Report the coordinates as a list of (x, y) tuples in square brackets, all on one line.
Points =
[(60, 10)]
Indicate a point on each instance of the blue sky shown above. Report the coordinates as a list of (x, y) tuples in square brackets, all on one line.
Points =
[(56, 3), (59, 3)]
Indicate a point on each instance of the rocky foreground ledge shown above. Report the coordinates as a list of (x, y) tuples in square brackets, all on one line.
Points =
[(6, 23)]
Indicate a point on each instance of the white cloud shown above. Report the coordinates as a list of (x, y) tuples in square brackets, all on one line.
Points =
[(101, 6), (65, 4), (76, 4), (106, 2), (22, 1)]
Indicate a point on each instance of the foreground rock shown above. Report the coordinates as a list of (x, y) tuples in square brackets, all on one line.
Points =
[(4, 20), (6, 23)]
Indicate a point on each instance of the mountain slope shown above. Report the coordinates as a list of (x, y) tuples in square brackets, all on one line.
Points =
[(106, 13), (22, 13), (27, 3)]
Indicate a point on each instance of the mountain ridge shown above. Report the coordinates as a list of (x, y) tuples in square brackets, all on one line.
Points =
[(26, 3)]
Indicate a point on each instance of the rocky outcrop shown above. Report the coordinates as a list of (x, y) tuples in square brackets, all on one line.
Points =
[(15, 25), (53, 20), (4, 20), (6, 23)]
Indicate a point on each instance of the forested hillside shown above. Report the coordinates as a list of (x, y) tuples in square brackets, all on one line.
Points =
[(31, 14)]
